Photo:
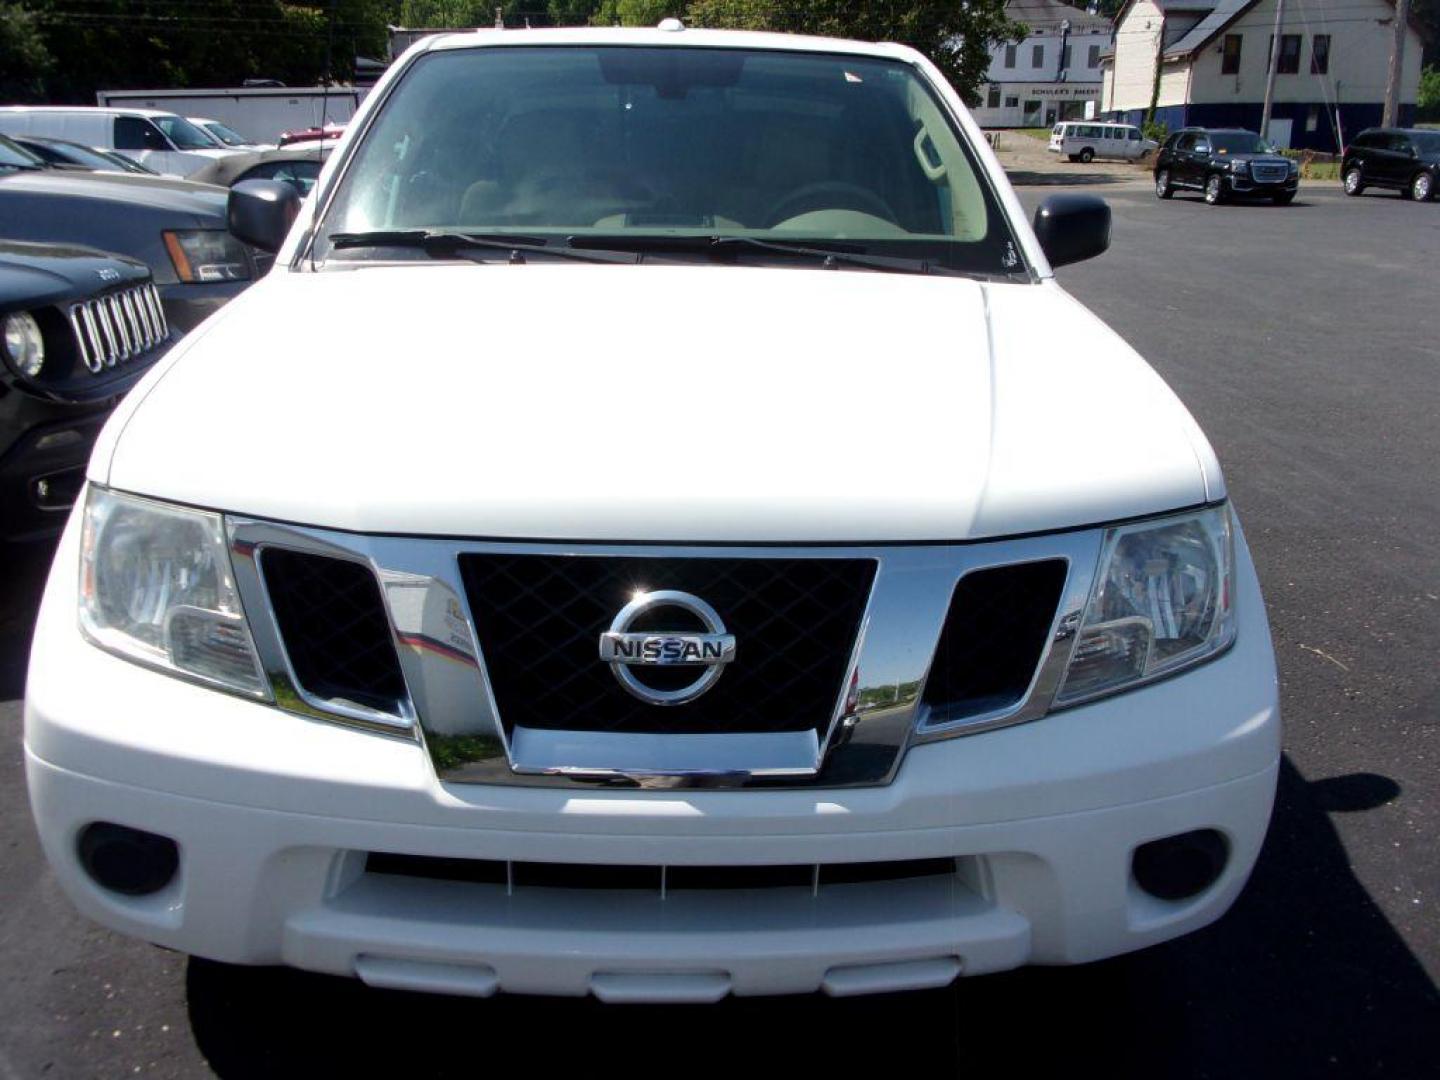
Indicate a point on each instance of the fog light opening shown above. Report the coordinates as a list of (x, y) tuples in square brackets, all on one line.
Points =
[(127, 861), (1180, 867)]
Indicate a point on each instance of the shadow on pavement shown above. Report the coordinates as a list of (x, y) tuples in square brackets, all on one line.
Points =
[(1028, 178), (1304, 978), (25, 568)]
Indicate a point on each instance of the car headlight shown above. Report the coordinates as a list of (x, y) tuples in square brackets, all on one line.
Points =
[(201, 256), (156, 587), (1294, 167), (1163, 599), (24, 344), (1237, 166)]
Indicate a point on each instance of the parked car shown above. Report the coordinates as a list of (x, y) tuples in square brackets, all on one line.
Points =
[(1086, 141), (165, 142), (299, 168), (385, 644), (64, 152), (328, 133), (177, 228), (225, 136), (1406, 159), (1225, 163), (78, 327)]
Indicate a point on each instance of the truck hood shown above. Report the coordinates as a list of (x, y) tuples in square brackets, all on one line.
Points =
[(205, 202), (34, 274), (658, 403)]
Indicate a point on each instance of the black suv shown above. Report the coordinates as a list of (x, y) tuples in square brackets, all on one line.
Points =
[(1401, 158), (1224, 163), (78, 327)]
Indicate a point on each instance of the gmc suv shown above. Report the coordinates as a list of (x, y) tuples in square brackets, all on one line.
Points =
[(1222, 164), (701, 550)]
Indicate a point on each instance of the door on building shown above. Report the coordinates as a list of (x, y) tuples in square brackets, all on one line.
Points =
[(1280, 132)]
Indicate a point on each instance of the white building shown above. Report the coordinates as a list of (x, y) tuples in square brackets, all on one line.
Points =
[(1052, 75), (1214, 56)]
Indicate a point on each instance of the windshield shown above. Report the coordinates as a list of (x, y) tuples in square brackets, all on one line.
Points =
[(82, 155), (1426, 142), (185, 135), (1240, 142), (225, 135), (15, 157), (633, 143)]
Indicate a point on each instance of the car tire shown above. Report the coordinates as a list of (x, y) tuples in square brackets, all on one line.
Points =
[(1285, 199), (1163, 189), (1087, 155), (1214, 190), (1422, 187), (1353, 181)]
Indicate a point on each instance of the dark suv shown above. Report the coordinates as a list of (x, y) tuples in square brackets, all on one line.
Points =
[(1224, 163), (1401, 158)]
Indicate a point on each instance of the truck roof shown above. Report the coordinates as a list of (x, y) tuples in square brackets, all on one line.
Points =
[(682, 36)]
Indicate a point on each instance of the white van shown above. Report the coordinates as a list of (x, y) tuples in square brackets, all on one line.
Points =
[(165, 142), (1087, 140)]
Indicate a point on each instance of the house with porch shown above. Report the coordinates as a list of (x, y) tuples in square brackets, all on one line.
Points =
[(1204, 63)]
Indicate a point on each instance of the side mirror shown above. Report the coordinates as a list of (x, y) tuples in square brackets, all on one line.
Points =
[(260, 212), (1071, 228)]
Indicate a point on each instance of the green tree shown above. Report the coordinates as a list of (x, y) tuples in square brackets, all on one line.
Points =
[(636, 12), (571, 12), (24, 59), (1430, 94), (956, 34)]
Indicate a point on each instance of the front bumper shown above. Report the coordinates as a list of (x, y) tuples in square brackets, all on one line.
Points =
[(274, 814), (44, 447), (1243, 185)]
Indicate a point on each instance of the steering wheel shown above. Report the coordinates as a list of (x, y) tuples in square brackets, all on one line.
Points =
[(828, 195)]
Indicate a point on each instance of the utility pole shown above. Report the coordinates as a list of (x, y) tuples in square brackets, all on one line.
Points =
[(1391, 116), (1274, 70)]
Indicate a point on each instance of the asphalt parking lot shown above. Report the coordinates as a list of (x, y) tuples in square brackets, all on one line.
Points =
[(1305, 341)]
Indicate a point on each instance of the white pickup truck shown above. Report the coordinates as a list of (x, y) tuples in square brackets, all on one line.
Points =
[(660, 531)]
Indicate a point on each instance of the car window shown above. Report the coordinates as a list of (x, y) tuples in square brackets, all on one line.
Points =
[(137, 133), (1133, 135), (1398, 143), (674, 141), (80, 155), (15, 156), (1426, 142), (185, 135), (45, 152), (1187, 141), (225, 134)]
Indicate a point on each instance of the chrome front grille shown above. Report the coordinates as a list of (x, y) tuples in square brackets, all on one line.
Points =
[(1269, 174), (464, 687), (119, 326)]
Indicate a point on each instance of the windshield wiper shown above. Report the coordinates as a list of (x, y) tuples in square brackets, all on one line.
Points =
[(829, 256), (435, 241)]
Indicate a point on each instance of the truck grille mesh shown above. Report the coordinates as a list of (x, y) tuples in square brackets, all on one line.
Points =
[(994, 638), (119, 326), (539, 620), (332, 620)]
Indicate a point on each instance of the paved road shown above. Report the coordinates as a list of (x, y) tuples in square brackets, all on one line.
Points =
[(1304, 340)]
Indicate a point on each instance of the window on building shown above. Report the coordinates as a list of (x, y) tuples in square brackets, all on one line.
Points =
[(992, 98), (1032, 109), (1093, 60), (1009, 56), (1312, 118), (1230, 64), (1012, 103), (1289, 54), (1320, 55), (1037, 56)]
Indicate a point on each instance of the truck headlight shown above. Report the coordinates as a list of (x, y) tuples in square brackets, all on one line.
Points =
[(24, 344), (1163, 599), (201, 256), (1237, 166), (156, 587)]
